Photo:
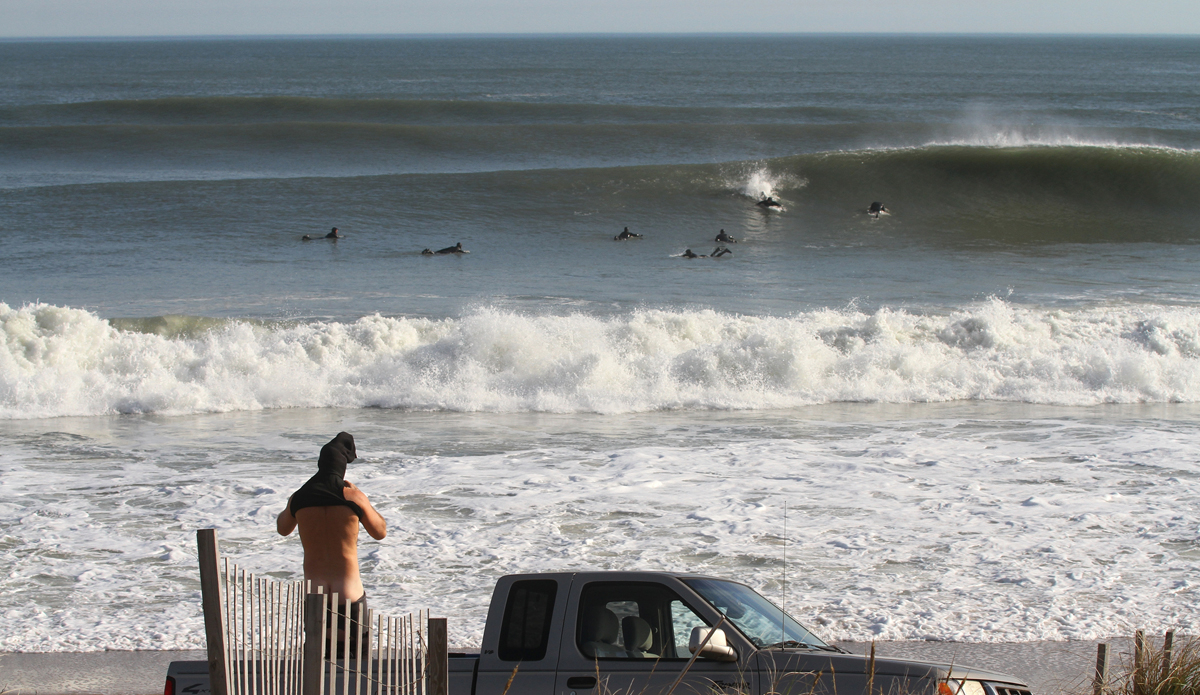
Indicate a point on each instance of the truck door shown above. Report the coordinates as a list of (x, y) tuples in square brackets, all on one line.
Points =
[(632, 637), (521, 639)]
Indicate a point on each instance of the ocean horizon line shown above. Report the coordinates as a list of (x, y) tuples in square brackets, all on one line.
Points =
[(605, 35)]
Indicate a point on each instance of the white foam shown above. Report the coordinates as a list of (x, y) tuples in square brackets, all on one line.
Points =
[(58, 361), (947, 528)]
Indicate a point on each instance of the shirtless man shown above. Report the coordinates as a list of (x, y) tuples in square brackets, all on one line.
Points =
[(328, 510)]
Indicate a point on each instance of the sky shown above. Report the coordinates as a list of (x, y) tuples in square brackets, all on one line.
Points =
[(77, 18)]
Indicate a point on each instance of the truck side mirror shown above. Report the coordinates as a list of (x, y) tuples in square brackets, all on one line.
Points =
[(717, 649)]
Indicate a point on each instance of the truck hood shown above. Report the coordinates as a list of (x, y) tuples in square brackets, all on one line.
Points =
[(965, 672), (802, 660)]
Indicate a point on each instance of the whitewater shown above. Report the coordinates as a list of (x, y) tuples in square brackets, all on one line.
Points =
[(1005, 523), (58, 361)]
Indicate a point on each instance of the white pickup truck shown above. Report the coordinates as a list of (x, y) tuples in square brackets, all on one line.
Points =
[(604, 633)]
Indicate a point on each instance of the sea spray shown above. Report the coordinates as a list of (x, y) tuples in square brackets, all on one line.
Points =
[(762, 182)]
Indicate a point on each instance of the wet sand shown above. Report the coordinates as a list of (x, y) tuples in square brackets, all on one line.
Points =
[(94, 673)]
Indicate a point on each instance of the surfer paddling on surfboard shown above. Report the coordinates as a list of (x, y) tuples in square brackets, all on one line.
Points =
[(716, 253), (335, 235)]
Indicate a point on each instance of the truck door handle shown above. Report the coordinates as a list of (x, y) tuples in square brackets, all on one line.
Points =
[(581, 682)]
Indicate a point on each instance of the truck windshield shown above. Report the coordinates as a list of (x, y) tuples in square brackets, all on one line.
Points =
[(759, 620)]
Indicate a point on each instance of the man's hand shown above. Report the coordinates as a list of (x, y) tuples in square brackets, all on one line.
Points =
[(355, 495), (285, 523), (372, 521)]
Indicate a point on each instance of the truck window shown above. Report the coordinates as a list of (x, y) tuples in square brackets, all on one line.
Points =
[(526, 628), (761, 621), (633, 621), (683, 619)]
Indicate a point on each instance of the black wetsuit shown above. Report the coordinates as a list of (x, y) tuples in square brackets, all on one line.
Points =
[(325, 488)]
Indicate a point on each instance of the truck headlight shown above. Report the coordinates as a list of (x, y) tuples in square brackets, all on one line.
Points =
[(952, 686)]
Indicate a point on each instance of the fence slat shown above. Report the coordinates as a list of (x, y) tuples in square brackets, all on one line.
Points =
[(255, 621), (275, 614), (345, 634), (332, 632), (230, 626), (393, 637), (229, 672), (379, 656), (297, 636), (357, 612), (243, 637)]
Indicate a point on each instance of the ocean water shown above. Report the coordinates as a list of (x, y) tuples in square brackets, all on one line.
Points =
[(973, 418)]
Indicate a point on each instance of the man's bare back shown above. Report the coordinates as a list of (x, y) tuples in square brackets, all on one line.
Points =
[(329, 532)]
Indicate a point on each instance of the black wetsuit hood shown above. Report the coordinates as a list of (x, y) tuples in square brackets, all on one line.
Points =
[(325, 488)]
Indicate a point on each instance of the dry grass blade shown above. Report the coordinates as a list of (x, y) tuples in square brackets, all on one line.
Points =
[(871, 670), (511, 677)]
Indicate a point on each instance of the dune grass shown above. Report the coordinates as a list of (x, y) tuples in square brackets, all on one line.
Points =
[(1158, 668)]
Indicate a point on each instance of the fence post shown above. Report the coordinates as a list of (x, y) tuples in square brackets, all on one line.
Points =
[(438, 669), (1168, 645), (214, 624), (1139, 662), (312, 678), (1101, 677)]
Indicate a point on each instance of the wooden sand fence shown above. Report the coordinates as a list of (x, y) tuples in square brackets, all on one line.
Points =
[(269, 637), (1142, 667)]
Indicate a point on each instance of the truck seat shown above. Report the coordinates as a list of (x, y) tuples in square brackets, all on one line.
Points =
[(599, 636), (638, 637)]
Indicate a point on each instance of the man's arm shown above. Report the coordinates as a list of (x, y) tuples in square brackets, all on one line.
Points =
[(375, 524), (285, 523)]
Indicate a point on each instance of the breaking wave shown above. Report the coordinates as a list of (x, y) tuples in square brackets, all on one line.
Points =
[(61, 361)]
